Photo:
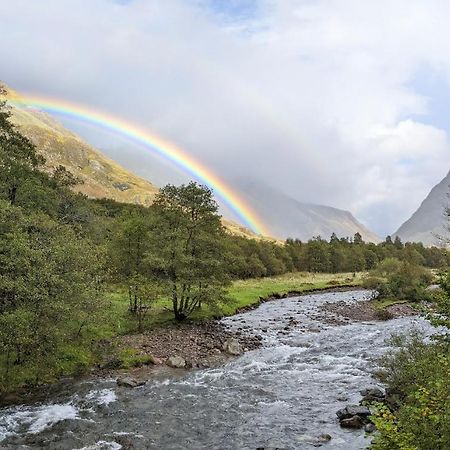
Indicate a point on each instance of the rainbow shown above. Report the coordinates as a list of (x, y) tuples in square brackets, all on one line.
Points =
[(152, 142)]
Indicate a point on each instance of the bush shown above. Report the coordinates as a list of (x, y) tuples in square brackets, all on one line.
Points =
[(373, 283), (418, 417), (402, 280)]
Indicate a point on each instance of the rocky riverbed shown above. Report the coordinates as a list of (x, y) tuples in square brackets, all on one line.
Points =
[(368, 310)]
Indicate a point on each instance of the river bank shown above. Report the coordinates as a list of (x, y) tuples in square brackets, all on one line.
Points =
[(283, 394), (97, 346)]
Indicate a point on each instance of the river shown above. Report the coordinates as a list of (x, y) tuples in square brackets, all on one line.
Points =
[(283, 395)]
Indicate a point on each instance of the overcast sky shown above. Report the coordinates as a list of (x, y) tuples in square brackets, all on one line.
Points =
[(339, 102)]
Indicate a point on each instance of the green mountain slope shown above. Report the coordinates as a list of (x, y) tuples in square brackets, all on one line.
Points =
[(101, 177)]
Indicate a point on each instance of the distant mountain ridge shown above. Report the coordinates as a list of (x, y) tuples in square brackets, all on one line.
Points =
[(288, 217), (428, 223), (104, 178)]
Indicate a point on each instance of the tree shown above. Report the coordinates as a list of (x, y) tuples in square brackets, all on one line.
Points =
[(18, 157), (398, 244), (142, 294), (129, 244), (48, 288), (334, 239), (357, 238), (317, 256), (186, 242)]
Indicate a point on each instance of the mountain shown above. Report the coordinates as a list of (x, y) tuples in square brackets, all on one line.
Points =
[(427, 224), (288, 217), (101, 177)]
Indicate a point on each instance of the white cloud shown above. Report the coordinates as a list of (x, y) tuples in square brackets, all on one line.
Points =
[(315, 95)]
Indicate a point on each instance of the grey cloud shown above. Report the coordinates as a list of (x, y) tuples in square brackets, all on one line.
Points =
[(313, 96)]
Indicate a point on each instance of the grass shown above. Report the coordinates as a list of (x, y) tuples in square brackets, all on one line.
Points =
[(114, 320), (242, 293), (247, 292), (386, 302)]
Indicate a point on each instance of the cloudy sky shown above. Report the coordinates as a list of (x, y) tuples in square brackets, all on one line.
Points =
[(339, 102)]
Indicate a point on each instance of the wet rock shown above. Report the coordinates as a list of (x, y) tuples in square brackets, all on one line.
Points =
[(324, 438), (372, 395), (353, 422), (232, 347), (177, 362), (369, 428), (353, 410), (129, 382)]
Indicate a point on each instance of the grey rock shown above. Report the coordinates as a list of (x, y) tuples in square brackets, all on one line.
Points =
[(232, 347), (373, 392), (352, 422), (353, 410), (369, 428), (372, 395), (176, 362), (129, 382), (324, 438)]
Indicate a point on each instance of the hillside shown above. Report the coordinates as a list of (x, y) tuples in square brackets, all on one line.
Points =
[(427, 224), (287, 217), (101, 176)]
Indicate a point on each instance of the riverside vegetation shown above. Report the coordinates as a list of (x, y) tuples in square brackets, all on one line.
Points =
[(76, 271)]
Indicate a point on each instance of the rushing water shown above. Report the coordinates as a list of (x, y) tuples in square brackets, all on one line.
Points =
[(282, 395)]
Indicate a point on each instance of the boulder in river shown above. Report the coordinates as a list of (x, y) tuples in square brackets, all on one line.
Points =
[(176, 362), (129, 382), (352, 422), (372, 395), (232, 347), (353, 410), (353, 416)]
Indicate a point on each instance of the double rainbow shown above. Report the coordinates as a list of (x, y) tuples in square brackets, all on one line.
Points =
[(152, 142)]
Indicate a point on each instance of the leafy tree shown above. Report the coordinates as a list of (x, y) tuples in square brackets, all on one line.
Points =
[(317, 256), (186, 244), (18, 157), (398, 244), (48, 288), (130, 243)]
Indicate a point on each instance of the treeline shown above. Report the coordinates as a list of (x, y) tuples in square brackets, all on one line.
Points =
[(258, 259)]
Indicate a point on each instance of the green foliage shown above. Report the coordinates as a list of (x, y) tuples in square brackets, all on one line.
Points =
[(401, 280), (130, 358), (18, 158), (418, 417), (189, 263)]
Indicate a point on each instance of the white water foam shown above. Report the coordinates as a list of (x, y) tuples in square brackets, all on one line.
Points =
[(103, 445), (102, 397), (36, 419)]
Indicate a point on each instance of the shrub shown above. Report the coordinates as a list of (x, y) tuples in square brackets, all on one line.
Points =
[(418, 417)]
